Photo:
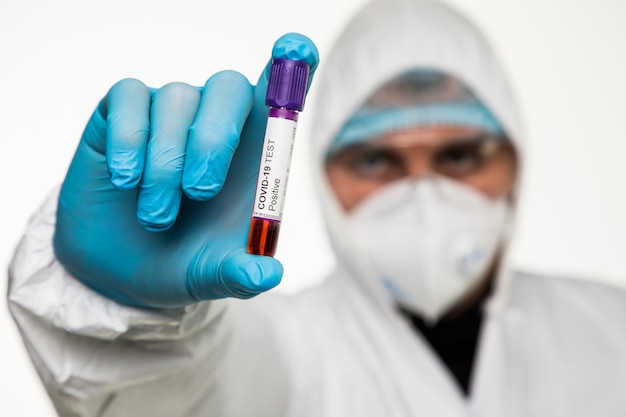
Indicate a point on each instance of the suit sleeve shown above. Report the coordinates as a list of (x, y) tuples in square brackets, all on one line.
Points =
[(96, 357)]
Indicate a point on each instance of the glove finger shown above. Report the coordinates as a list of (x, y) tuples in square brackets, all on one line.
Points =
[(238, 275), (224, 107), (292, 46), (173, 110), (128, 106)]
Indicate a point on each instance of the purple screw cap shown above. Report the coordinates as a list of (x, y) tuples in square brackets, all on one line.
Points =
[(287, 84)]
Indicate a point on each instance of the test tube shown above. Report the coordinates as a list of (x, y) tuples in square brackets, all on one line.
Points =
[(285, 96)]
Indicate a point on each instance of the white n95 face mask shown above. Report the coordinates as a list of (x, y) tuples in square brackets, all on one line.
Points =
[(430, 240)]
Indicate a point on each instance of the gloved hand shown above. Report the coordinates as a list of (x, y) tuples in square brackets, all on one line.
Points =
[(155, 208)]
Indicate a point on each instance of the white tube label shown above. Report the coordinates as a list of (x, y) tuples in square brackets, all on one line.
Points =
[(274, 168)]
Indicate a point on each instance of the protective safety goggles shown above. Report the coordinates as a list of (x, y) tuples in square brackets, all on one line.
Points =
[(458, 159)]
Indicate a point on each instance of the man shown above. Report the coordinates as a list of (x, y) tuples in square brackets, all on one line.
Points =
[(417, 154)]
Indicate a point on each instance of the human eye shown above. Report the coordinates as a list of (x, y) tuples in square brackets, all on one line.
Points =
[(460, 159), (375, 164)]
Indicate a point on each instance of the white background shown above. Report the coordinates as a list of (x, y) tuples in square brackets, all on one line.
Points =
[(567, 63)]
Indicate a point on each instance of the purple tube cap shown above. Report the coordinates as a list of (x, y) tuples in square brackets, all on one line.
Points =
[(287, 84)]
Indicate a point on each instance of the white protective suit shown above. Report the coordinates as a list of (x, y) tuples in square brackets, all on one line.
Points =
[(548, 346)]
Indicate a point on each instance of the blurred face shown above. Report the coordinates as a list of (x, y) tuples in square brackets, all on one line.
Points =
[(484, 163)]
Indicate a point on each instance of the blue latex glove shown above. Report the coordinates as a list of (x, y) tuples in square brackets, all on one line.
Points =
[(155, 208)]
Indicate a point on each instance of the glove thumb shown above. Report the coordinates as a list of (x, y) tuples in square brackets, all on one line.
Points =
[(238, 274)]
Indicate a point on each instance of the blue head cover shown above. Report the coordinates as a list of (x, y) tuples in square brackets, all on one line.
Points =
[(421, 97)]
